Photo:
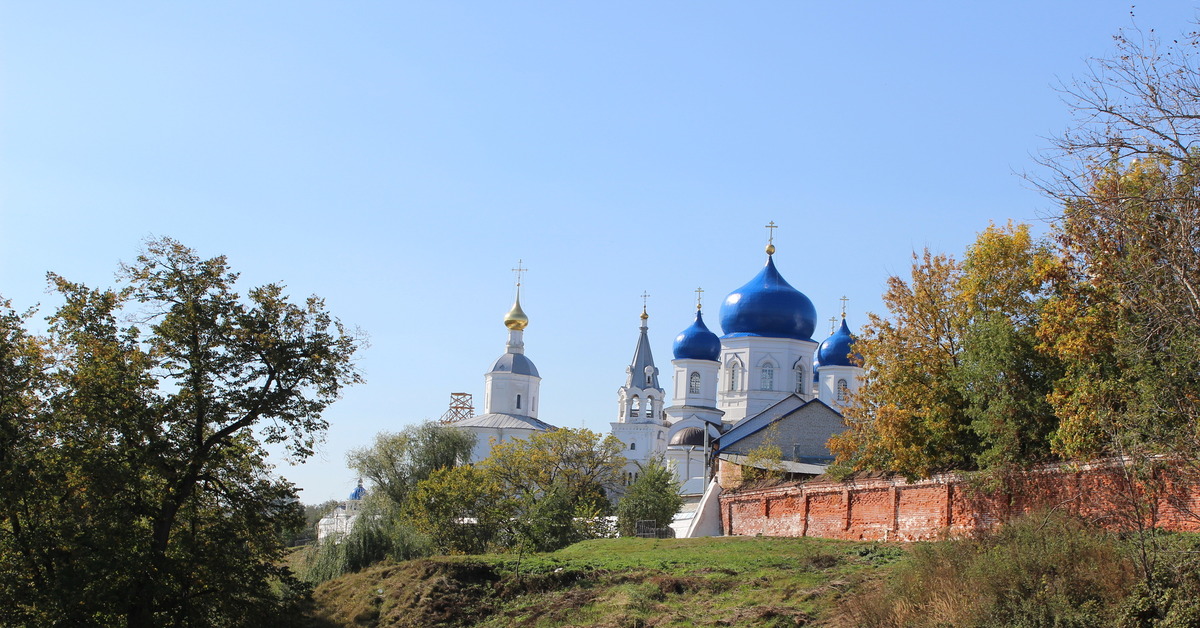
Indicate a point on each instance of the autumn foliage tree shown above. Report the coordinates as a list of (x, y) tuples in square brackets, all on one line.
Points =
[(953, 378)]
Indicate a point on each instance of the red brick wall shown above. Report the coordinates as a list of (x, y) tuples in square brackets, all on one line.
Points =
[(893, 509)]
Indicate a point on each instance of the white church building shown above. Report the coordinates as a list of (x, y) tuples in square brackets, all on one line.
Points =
[(764, 381)]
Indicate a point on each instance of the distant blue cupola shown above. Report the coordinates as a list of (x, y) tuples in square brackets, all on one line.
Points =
[(836, 349), (697, 342), (768, 306), (359, 492)]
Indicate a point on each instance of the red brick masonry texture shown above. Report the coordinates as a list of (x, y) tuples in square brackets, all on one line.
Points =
[(892, 509)]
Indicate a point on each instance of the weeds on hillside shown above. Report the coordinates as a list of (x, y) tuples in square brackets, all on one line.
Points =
[(1041, 570), (374, 538)]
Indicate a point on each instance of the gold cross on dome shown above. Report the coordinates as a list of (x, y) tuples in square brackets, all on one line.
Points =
[(771, 227), (518, 270), (832, 324), (699, 293), (843, 300), (645, 295)]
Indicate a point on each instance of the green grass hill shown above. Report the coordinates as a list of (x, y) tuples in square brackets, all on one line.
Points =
[(725, 581)]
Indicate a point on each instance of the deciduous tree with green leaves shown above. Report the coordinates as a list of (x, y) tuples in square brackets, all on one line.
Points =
[(397, 462), (141, 490), (653, 496)]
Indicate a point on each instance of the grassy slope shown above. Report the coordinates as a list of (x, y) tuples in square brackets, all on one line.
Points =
[(724, 581)]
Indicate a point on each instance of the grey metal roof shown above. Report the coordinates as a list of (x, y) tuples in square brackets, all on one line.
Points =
[(502, 420), (642, 372), (787, 465), (515, 363)]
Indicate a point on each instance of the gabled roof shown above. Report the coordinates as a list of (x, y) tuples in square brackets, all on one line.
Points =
[(784, 408), (752, 423)]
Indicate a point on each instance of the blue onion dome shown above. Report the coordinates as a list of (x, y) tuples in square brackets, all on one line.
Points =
[(697, 342), (359, 492), (768, 306), (836, 349)]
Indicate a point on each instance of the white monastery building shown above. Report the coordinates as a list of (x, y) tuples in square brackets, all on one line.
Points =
[(764, 381)]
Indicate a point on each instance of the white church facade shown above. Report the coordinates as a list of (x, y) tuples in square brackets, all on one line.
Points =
[(764, 378)]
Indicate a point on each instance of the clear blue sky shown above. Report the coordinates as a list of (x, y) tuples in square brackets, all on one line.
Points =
[(399, 158)]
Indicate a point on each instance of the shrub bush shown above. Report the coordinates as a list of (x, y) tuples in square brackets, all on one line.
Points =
[(1039, 570)]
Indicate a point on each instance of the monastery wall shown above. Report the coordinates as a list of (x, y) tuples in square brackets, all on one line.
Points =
[(893, 509)]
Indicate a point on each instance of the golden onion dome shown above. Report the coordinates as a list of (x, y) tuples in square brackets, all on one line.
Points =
[(516, 318)]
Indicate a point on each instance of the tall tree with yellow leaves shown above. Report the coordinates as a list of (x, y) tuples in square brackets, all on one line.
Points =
[(953, 377)]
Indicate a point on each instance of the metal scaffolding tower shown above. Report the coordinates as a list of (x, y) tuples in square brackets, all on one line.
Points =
[(461, 407)]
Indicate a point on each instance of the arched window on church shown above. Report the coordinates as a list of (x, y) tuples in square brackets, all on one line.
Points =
[(635, 406), (632, 446), (842, 389), (735, 374), (650, 407), (801, 379), (518, 402), (694, 383), (767, 378)]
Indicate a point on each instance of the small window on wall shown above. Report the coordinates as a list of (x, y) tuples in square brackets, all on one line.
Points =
[(734, 375), (842, 389), (632, 446), (767, 380), (518, 402), (694, 383), (801, 380)]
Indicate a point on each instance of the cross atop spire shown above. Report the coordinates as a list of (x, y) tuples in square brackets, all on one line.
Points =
[(843, 300), (699, 292), (645, 295), (771, 227), (518, 270), (832, 324)]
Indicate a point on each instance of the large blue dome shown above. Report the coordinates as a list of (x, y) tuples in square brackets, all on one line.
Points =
[(768, 306), (697, 343), (836, 349)]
